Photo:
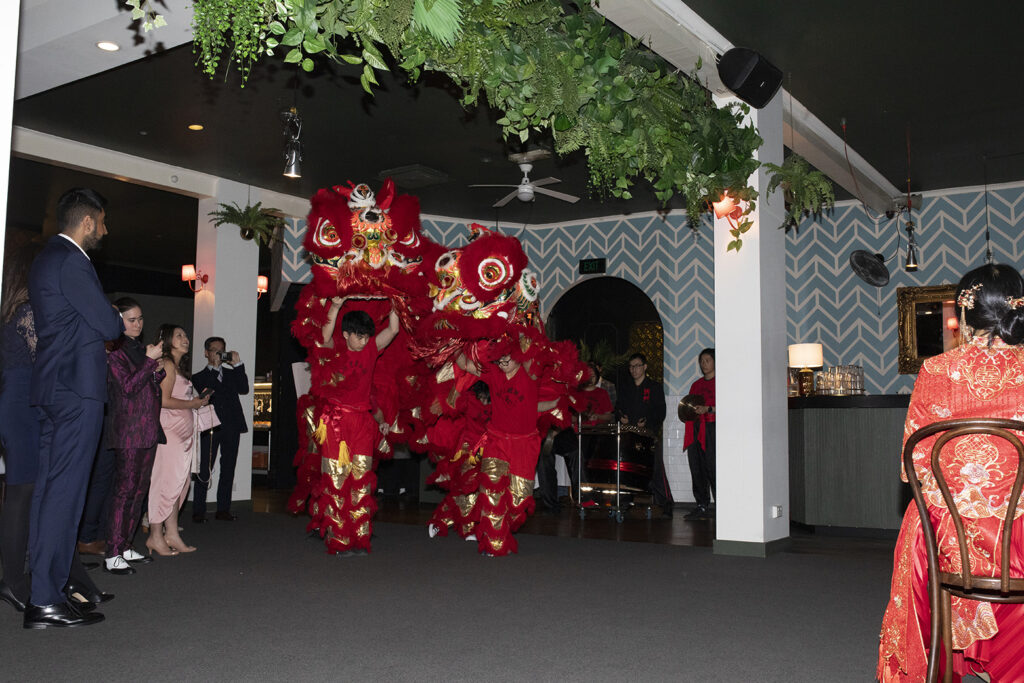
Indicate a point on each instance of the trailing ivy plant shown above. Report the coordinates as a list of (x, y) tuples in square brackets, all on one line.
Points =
[(806, 191), (254, 222), (548, 71)]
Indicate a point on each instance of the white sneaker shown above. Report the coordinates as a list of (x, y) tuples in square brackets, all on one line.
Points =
[(471, 537), (132, 555), (117, 565), (432, 530)]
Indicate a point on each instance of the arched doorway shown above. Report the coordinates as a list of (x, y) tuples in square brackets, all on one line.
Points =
[(615, 312)]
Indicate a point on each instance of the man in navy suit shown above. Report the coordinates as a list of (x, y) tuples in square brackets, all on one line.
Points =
[(69, 385), (225, 376)]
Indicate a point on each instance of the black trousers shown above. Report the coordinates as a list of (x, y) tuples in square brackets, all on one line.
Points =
[(702, 467), (94, 517), (210, 442), (565, 444)]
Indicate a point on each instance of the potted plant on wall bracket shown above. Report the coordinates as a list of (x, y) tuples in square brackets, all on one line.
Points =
[(254, 222), (806, 191)]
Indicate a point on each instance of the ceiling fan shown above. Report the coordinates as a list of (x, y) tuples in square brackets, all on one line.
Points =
[(527, 189)]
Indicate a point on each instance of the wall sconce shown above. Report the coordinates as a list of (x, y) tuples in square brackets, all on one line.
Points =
[(190, 275), (292, 144), (262, 285), (805, 357), (952, 324)]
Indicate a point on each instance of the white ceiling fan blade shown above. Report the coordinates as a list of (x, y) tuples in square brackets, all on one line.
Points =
[(557, 195), (545, 181), (506, 199), (505, 185)]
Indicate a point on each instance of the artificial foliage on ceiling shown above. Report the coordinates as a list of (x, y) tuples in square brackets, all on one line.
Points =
[(548, 70)]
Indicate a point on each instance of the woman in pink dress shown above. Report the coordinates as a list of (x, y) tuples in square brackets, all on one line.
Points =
[(173, 464)]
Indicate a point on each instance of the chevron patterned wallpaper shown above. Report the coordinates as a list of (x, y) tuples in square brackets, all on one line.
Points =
[(825, 301), (855, 322)]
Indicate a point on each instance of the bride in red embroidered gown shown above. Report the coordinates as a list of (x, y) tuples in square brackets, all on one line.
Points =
[(982, 378)]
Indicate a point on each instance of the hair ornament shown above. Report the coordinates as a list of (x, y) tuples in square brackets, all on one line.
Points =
[(966, 298), (1015, 302)]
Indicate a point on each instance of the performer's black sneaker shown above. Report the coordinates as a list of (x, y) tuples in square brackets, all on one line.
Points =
[(700, 512)]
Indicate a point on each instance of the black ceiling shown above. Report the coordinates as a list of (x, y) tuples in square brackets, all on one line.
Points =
[(945, 71)]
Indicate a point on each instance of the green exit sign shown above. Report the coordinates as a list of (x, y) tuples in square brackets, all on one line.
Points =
[(590, 266)]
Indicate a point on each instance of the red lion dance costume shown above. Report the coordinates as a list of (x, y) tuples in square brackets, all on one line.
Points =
[(449, 301)]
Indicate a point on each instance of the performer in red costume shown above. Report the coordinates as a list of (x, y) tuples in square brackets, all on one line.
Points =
[(460, 474), (347, 431), (510, 449), (982, 378)]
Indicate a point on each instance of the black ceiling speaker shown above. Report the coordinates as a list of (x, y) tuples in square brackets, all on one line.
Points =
[(750, 76)]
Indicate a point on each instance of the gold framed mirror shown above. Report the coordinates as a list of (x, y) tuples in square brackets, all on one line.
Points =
[(924, 330)]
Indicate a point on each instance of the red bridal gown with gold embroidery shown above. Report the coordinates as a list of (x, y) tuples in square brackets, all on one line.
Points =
[(975, 380)]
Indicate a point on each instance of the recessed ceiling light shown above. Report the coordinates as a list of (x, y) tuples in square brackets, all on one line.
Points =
[(108, 46), (195, 126)]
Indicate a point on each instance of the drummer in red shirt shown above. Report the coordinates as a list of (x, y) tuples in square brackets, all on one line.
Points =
[(699, 441), (510, 450)]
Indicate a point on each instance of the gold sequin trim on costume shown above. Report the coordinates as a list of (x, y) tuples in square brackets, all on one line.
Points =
[(361, 464), (520, 487), (336, 471), (492, 467)]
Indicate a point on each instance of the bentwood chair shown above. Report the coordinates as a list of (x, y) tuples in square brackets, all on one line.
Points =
[(942, 585)]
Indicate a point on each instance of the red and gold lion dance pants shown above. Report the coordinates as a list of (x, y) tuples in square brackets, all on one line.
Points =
[(460, 477), (342, 503), (505, 497)]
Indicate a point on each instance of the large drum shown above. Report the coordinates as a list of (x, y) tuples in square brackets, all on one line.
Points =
[(603, 468)]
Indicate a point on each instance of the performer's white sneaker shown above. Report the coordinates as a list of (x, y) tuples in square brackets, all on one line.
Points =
[(471, 537), (432, 530)]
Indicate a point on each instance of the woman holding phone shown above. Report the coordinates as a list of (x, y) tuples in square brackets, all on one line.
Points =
[(173, 465)]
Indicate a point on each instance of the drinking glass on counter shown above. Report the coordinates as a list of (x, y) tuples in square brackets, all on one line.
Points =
[(840, 380)]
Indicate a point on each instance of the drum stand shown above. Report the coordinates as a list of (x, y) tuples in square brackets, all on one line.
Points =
[(616, 511)]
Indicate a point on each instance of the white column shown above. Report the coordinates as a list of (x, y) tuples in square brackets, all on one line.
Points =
[(750, 368), (227, 307), (9, 47)]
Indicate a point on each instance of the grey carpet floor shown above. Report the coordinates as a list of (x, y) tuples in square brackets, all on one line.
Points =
[(260, 602)]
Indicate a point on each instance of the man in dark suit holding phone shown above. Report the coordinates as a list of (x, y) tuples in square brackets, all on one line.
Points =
[(69, 385), (225, 377)]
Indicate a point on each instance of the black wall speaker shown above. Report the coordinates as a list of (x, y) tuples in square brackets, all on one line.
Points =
[(750, 76)]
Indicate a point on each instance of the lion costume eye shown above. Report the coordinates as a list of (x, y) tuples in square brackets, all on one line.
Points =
[(358, 241), (493, 273), (327, 235)]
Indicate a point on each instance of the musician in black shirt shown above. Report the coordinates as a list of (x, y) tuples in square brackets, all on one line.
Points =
[(641, 402)]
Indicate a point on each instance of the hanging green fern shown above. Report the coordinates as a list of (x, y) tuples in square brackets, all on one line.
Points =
[(806, 191), (254, 222)]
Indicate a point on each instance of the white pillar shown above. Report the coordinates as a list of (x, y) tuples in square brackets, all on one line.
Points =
[(227, 307), (750, 368), (9, 47)]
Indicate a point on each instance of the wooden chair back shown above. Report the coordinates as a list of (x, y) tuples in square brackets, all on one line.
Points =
[(965, 584)]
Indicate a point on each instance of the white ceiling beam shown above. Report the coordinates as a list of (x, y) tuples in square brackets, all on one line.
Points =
[(57, 39), (681, 37)]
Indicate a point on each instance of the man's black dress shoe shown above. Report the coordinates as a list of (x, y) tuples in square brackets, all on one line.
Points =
[(8, 596), (61, 615), (92, 596), (199, 519), (225, 516)]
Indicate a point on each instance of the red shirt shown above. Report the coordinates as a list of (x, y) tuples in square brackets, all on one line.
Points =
[(706, 388), (596, 402), (357, 372), (513, 400)]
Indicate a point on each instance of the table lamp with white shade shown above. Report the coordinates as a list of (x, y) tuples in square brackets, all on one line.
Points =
[(805, 357)]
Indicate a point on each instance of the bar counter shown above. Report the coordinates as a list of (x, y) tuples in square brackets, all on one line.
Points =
[(844, 461)]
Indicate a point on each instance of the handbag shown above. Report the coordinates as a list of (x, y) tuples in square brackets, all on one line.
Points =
[(206, 418)]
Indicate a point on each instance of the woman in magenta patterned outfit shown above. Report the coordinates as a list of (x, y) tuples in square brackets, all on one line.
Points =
[(133, 410)]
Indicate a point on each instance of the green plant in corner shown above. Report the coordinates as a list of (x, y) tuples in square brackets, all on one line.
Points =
[(254, 222), (806, 191)]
